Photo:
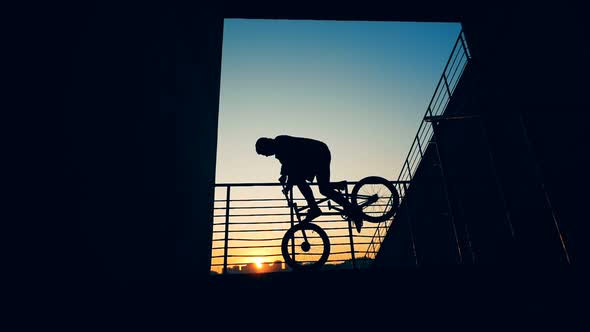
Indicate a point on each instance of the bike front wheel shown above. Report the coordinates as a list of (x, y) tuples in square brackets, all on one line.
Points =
[(377, 198), (305, 246)]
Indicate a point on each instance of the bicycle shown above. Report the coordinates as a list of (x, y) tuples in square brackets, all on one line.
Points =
[(306, 246)]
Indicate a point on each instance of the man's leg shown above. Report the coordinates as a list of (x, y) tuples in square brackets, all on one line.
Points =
[(327, 190), (314, 211)]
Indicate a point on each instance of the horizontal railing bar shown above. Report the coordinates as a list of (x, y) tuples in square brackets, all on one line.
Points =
[(265, 184), (276, 214), (276, 230), (340, 252), (242, 223), (279, 238), (253, 215), (251, 207), (244, 262), (255, 247), (284, 230), (329, 263), (265, 239), (327, 229), (283, 214), (235, 223), (245, 256), (254, 200), (253, 223), (272, 207), (337, 244), (241, 264)]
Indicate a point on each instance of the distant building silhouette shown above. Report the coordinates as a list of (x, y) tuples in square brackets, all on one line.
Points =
[(276, 266)]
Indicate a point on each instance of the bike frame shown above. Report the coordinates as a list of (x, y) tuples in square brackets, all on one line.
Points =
[(339, 210)]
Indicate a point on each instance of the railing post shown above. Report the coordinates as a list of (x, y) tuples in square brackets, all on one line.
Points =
[(409, 169), (497, 181), (464, 46), (541, 182), (446, 191), (350, 236), (225, 245), (413, 243), (419, 147), (292, 209), (447, 85)]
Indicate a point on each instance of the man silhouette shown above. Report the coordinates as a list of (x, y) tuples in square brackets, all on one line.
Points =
[(302, 159)]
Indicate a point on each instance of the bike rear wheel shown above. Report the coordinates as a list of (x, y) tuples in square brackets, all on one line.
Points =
[(305, 246), (377, 198)]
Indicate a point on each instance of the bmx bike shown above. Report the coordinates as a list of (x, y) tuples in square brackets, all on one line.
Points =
[(306, 246)]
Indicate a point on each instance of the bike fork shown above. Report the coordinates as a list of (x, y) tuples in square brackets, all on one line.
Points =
[(294, 208)]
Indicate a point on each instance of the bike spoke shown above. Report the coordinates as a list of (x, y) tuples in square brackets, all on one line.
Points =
[(377, 207), (298, 246)]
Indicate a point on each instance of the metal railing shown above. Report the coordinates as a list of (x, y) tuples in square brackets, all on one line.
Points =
[(250, 219), (437, 106)]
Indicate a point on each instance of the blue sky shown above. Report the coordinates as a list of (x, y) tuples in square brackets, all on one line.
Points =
[(361, 87)]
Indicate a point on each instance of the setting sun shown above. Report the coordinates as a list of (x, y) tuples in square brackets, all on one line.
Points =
[(258, 262)]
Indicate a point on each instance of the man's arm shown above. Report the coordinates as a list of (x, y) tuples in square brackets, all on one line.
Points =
[(281, 153), (283, 177)]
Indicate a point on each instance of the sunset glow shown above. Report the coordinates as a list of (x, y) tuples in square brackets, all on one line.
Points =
[(258, 262)]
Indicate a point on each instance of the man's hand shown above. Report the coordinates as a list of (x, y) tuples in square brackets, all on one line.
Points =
[(283, 179), (286, 186)]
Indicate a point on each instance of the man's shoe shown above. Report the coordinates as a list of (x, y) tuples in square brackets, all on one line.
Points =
[(357, 218), (358, 224), (312, 214)]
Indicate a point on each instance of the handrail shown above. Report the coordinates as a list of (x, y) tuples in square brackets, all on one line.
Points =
[(457, 62)]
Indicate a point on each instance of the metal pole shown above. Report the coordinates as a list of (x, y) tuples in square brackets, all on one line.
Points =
[(446, 190), (420, 147), (464, 46), (350, 236), (539, 176), (292, 221), (497, 178), (225, 247), (413, 243), (409, 169), (447, 85)]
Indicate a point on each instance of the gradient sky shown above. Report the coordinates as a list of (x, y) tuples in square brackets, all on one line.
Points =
[(361, 87)]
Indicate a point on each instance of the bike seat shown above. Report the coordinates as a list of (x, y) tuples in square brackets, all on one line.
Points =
[(341, 185)]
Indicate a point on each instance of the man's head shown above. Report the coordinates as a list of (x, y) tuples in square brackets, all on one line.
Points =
[(265, 146)]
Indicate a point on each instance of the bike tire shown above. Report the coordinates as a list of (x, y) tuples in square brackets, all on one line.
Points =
[(391, 197), (322, 242)]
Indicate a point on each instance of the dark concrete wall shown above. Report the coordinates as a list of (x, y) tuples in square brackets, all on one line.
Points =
[(128, 100), (142, 110)]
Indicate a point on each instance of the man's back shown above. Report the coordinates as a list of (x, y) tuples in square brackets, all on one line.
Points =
[(302, 155)]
